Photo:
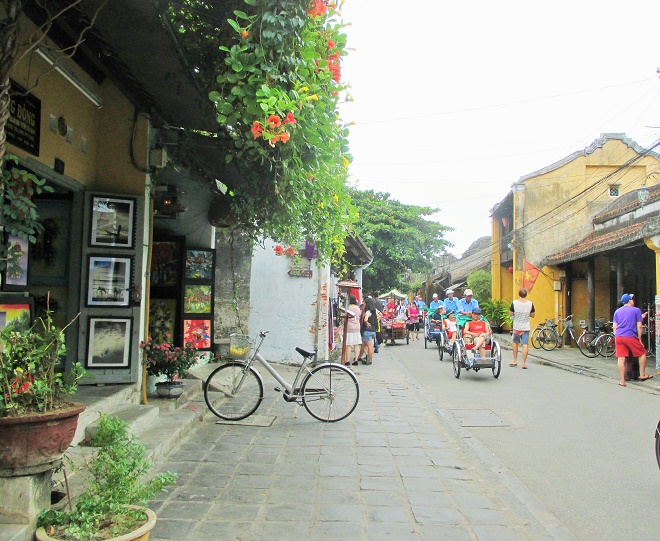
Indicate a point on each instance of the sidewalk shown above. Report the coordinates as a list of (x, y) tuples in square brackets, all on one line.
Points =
[(572, 360), (393, 470)]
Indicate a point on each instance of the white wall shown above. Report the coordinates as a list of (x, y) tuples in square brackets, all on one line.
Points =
[(291, 308)]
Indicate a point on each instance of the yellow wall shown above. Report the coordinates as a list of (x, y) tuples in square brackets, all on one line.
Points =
[(554, 210), (106, 166)]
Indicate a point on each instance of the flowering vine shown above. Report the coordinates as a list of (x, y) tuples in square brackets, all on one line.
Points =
[(277, 93)]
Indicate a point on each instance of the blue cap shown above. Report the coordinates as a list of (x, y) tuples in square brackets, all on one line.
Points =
[(476, 310), (626, 297)]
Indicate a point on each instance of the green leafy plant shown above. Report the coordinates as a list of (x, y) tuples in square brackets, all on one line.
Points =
[(479, 282), (276, 93), (167, 359), (115, 476), (496, 311), (19, 212), (31, 380)]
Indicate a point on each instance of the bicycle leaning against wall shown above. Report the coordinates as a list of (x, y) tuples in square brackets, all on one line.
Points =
[(233, 391), (549, 338)]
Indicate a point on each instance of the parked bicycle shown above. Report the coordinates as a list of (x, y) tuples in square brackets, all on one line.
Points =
[(605, 344), (549, 337), (328, 391)]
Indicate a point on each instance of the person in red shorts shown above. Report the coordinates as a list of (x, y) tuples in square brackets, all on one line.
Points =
[(628, 337)]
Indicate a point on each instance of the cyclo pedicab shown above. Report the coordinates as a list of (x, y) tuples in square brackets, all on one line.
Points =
[(432, 329), (462, 355)]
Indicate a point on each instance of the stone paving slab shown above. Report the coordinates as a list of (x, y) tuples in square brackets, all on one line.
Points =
[(395, 469)]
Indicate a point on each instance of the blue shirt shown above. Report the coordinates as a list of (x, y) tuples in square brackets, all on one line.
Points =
[(464, 306), (420, 304), (435, 305), (451, 305)]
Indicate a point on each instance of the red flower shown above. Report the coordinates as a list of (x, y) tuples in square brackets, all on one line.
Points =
[(331, 44), (279, 250), (290, 251), (290, 119), (245, 34), (257, 129), (317, 7), (273, 121), (284, 136)]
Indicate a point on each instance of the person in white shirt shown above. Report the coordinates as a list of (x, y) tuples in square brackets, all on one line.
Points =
[(521, 310)]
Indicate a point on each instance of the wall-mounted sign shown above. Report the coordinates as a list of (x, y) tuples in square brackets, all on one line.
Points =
[(300, 273), (23, 127)]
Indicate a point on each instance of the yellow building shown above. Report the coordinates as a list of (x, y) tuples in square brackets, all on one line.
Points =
[(576, 232)]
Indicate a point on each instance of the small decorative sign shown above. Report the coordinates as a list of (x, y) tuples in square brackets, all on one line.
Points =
[(24, 123), (300, 273)]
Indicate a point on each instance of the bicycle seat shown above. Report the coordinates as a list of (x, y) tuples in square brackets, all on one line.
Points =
[(305, 354)]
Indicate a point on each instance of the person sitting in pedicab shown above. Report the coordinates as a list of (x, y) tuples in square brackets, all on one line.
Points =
[(450, 328), (478, 330)]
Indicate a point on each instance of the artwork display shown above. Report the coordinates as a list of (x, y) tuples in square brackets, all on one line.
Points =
[(199, 264), (109, 342), (198, 332), (197, 299), (109, 281), (16, 273), (49, 256), (17, 314), (162, 320), (112, 222), (165, 263)]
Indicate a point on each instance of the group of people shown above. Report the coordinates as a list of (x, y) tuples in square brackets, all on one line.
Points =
[(362, 324)]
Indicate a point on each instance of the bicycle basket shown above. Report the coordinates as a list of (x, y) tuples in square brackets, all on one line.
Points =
[(239, 345), (550, 323)]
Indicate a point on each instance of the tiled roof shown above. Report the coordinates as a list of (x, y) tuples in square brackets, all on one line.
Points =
[(626, 203), (460, 268), (605, 240)]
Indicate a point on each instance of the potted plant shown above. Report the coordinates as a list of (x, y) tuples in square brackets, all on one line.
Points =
[(38, 420), (166, 359), (496, 311), (116, 485)]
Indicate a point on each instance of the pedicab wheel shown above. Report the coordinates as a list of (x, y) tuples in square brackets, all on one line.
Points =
[(457, 362), (441, 350), (426, 341), (496, 352), (407, 336)]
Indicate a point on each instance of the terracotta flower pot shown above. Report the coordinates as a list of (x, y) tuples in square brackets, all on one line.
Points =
[(141, 534), (35, 442)]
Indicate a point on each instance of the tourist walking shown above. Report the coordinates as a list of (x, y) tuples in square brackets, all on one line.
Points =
[(353, 337), (521, 310)]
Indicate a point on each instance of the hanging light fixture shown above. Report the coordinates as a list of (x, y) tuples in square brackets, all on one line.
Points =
[(643, 193)]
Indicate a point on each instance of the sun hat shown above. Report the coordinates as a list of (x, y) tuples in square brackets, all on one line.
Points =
[(625, 298), (468, 292)]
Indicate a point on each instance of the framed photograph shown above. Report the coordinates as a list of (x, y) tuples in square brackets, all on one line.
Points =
[(197, 299), (17, 313), (109, 281), (16, 273), (109, 342), (199, 264), (197, 331), (166, 263), (112, 222)]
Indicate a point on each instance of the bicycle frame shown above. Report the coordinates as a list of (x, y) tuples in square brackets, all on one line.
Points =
[(291, 389)]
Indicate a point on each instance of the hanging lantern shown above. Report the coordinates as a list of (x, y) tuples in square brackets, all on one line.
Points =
[(510, 270), (505, 221)]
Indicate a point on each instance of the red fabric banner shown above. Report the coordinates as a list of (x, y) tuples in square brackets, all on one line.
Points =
[(530, 274)]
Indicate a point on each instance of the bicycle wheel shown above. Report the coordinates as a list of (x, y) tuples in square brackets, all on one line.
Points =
[(605, 345), (233, 393), (330, 392), (535, 337), (456, 355), (549, 339), (587, 344), (657, 444), (496, 353)]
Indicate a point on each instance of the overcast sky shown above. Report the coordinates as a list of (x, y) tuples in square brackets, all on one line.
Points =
[(455, 101)]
